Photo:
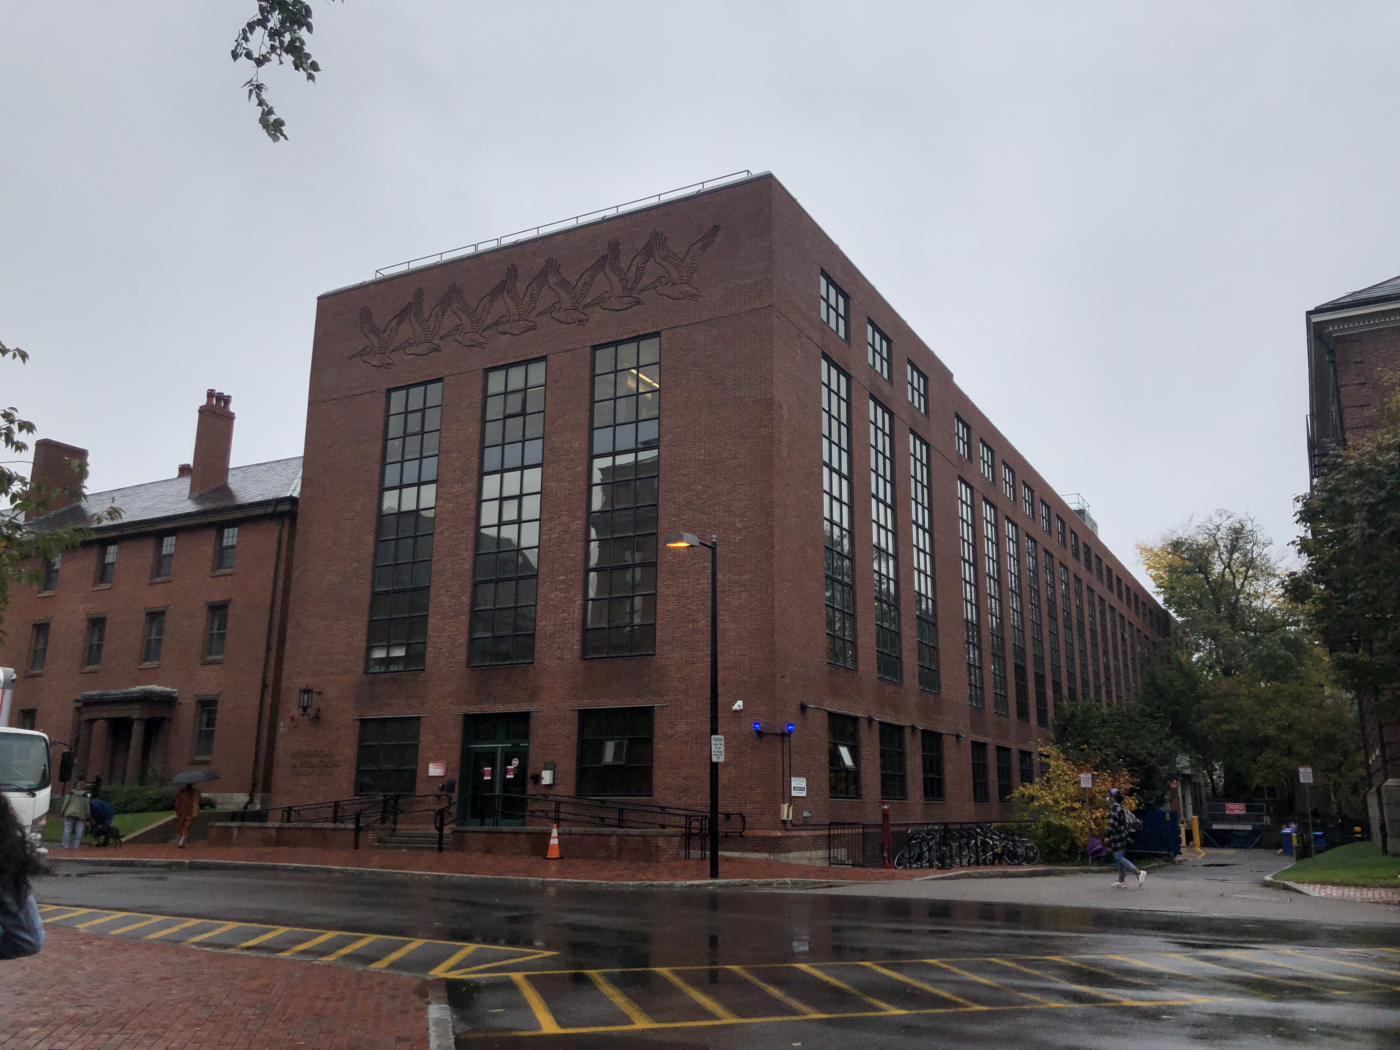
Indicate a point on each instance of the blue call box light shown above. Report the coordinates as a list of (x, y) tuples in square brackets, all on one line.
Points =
[(758, 727), (791, 727)]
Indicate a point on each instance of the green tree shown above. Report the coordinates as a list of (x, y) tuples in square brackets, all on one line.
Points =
[(1062, 814), (1122, 738), (277, 32), (22, 549)]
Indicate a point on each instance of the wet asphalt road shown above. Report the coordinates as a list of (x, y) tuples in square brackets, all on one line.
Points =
[(740, 969)]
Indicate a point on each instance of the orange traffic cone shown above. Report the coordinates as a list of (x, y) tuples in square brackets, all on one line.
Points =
[(553, 853)]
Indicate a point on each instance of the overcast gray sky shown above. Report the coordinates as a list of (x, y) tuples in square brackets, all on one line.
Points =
[(1106, 218)]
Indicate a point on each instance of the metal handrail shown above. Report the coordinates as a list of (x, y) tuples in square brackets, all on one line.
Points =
[(551, 227)]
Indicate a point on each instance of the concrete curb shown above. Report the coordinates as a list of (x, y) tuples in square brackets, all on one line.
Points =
[(440, 1034), (1282, 884)]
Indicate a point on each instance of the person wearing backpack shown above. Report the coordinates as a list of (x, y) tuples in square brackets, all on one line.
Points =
[(1122, 825)]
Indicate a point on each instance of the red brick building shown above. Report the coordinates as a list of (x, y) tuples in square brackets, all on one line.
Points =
[(1353, 365), (496, 444), (156, 646)]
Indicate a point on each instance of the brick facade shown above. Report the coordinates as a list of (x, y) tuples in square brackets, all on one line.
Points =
[(740, 456)]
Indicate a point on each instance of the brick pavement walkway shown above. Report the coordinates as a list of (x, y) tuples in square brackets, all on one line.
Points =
[(83, 993), (1375, 894)]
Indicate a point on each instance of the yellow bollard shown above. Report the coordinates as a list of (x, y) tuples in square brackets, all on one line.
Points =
[(1195, 831)]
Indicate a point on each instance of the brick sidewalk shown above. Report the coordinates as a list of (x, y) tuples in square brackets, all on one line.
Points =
[(84, 993), (1374, 894), (457, 862)]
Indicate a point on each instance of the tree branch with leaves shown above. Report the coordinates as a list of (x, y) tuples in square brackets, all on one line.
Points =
[(277, 33)]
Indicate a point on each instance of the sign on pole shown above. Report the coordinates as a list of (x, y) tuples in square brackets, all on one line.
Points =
[(716, 748), (1305, 775), (1086, 780)]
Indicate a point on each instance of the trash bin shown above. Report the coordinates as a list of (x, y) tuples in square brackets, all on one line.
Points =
[(1286, 840)]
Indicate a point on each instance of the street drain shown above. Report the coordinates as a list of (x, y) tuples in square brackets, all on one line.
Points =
[(1230, 865)]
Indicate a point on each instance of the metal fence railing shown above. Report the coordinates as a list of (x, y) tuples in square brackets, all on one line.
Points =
[(919, 844)]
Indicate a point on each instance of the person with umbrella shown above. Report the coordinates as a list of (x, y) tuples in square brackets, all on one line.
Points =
[(187, 801)]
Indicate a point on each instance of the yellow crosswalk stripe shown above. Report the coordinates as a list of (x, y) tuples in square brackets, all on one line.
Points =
[(174, 929), (1309, 970), (212, 933), (990, 983), (807, 968), (137, 925), (1238, 973), (626, 1005), (699, 996), (443, 967), (1051, 977), (537, 1004), (1099, 969), (396, 955), (260, 938), (71, 915), (105, 918), (322, 939), (776, 993), (1340, 962), (353, 946), (926, 987)]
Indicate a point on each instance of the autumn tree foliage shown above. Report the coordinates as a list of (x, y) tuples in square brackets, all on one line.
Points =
[(1062, 813)]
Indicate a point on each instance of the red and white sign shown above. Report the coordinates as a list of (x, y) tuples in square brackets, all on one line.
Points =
[(1305, 775), (1234, 809), (485, 772), (1086, 780), (437, 769)]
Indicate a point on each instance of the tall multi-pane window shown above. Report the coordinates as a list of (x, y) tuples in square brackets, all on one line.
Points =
[(843, 755), (893, 782), (972, 615), (165, 558), (989, 462), (979, 772), (931, 744), (38, 646), (1052, 623), (206, 718), (1089, 559), (1018, 620), (51, 567), (888, 654), (226, 548), (1074, 544), (1027, 768), (1045, 517), (1114, 630), (877, 349), (1106, 631), (1094, 667), (1098, 567), (403, 558), (1042, 712), (96, 637), (1004, 783), (386, 761), (835, 307), (154, 637), (615, 751), (620, 619), (1008, 483), (991, 549), (106, 564), (215, 631), (962, 437), (918, 388), (1069, 606), (1027, 501), (837, 514), (925, 599), (508, 517), (1060, 529)]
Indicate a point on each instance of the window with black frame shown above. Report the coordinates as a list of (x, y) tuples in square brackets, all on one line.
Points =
[(38, 646), (893, 785), (843, 755), (995, 628), (106, 564), (51, 567), (154, 637), (403, 559), (164, 563), (835, 307), (1027, 501), (918, 388), (962, 437), (386, 761), (1008, 483), (989, 462), (972, 615), (615, 751), (215, 631), (206, 717), (508, 516), (980, 781), (921, 530), (838, 514), (889, 655), (226, 549), (1015, 604), (1027, 768), (96, 638), (931, 744), (1005, 786), (620, 596), (877, 349)]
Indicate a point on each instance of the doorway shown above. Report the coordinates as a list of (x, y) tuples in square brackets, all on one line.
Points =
[(495, 769)]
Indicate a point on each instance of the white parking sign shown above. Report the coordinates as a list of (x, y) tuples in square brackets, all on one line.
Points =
[(716, 749), (1305, 775)]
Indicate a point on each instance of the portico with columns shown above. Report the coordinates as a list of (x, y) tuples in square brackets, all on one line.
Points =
[(123, 735)]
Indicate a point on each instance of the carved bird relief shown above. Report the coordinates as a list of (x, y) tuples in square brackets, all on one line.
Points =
[(423, 331), (520, 307), (571, 297), (470, 332), (381, 347), (675, 283), (622, 283)]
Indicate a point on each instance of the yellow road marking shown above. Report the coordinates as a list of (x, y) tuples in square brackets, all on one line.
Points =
[(137, 925), (174, 929), (71, 915), (699, 996), (322, 939), (353, 946), (396, 955), (925, 987), (1051, 977), (537, 1004), (1231, 969), (471, 971), (49, 907), (626, 1005), (992, 984), (1317, 973), (886, 1007), (105, 918), (1339, 962), (776, 993), (442, 967), (212, 933), (1099, 969), (260, 938)]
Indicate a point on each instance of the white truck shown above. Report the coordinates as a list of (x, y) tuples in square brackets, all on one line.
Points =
[(25, 778)]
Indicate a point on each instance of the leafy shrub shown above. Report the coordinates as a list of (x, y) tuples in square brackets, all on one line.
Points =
[(132, 798)]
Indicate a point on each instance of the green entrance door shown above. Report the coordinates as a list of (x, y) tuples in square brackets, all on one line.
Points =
[(496, 768)]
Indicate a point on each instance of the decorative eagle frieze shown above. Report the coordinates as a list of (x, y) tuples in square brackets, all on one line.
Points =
[(510, 310)]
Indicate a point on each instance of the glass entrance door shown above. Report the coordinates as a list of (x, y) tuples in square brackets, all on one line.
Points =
[(495, 759)]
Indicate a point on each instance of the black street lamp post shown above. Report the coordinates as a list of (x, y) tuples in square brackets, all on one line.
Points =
[(681, 540)]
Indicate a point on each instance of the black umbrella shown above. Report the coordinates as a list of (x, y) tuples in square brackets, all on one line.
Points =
[(195, 776)]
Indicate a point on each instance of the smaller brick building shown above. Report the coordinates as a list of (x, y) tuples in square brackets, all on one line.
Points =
[(156, 646), (1353, 364)]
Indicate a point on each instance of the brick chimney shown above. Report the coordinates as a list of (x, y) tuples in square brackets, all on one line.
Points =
[(52, 470), (213, 443), (186, 469)]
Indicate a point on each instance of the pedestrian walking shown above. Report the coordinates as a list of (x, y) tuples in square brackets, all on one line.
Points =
[(101, 815), (77, 808), (186, 809), (21, 929), (1121, 825)]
